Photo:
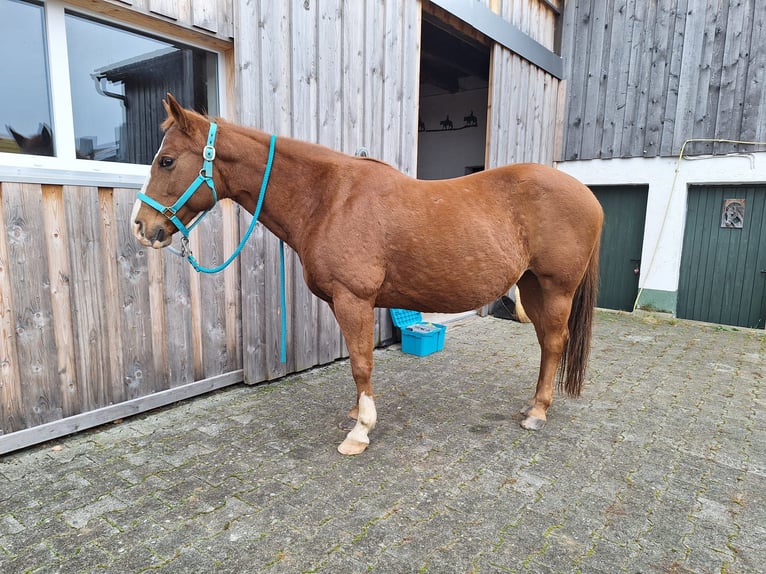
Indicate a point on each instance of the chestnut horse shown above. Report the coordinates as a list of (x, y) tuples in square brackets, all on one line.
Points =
[(369, 236)]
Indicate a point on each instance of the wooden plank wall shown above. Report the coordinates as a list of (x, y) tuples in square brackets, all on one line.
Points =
[(342, 73), (536, 18), (89, 318), (646, 76), (524, 100), (214, 18)]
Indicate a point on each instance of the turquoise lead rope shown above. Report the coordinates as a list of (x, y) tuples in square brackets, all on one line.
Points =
[(256, 214), (206, 176)]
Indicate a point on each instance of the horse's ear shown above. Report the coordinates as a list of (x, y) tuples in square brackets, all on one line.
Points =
[(46, 136), (176, 113), (20, 139)]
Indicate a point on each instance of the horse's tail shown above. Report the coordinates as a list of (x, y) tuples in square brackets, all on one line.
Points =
[(574, 359), (521, 314)]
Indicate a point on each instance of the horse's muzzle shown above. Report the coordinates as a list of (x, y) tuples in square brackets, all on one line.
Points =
[(156, 237)]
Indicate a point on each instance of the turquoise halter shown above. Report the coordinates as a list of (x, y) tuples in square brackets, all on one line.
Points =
[(206, 176)]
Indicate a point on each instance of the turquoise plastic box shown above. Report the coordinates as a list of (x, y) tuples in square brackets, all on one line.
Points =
[(417, 342)]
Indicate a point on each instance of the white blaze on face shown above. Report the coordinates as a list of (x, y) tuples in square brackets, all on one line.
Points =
[(137, 205), (134, 214)]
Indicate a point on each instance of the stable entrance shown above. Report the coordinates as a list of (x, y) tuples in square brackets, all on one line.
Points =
[(723, 263), (454, 80)]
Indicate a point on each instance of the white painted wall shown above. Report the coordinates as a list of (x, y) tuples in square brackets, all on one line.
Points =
[(446, 154), (668, 182)]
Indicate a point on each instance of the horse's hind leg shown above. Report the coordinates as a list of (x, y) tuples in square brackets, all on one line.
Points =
[(356, 319), (548, 306)]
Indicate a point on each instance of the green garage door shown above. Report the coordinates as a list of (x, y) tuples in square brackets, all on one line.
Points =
[(621, 241), (723, 264)]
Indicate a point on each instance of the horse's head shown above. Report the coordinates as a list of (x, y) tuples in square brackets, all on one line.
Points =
[(180, 183), (38, 144)]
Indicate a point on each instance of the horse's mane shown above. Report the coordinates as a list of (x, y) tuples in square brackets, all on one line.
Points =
[(380, 161), (170, 121)]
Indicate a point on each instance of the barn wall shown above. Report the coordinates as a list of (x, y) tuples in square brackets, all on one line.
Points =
[(536, 18), (89, 318), (643, 77), (342, 73), (524, 100), (213, 18)]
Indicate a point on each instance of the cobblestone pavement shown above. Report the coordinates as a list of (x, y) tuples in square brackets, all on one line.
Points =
[(659, 467)]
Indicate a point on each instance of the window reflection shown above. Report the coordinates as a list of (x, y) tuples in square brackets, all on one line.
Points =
[(25, 114), (118, 80)]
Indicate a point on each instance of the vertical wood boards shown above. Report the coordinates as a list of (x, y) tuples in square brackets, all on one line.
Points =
[(306, 114), (522, 111), (721, 274), (59, 273), (534, 18), (190, 19), (167, 8), (86, 279), (88, 317), (337, 103), (12, 415), (108, 325), (753, 126), (337, 72), (205, 14), (671, 70), (36, 353), (592, 124), (264, 65), (737, 49)]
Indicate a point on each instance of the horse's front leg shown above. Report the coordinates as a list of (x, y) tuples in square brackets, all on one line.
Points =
[(356, 319)]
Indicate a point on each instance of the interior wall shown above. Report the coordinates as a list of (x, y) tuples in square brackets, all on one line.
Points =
[(447, 153)]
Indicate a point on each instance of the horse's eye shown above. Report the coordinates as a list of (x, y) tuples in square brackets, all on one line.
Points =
[(166, 161)]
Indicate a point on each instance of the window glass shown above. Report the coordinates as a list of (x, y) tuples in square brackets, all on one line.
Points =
[(25, 113), (118, 80)]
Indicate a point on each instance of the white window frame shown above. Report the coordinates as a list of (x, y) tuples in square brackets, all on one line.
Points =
[(65, 168)]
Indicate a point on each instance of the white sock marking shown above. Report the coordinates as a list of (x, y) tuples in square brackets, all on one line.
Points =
[(368, 416)]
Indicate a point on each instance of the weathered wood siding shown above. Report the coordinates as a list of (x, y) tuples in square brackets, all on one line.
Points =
[(89, 318), (212, 17), (643, 77), (536, 18), (524, 101), (342, 73)]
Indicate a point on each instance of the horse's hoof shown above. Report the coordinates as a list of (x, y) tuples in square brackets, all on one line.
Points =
[(347, 425), (351, 447), (533, 423)]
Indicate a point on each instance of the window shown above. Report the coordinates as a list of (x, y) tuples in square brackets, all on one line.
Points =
[(25, 113), (87, 89), (117, 89)]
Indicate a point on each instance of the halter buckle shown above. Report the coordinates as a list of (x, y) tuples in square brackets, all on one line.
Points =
[(208, 153)]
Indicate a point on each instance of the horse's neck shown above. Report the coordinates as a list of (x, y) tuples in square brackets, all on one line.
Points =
[(296, 187)]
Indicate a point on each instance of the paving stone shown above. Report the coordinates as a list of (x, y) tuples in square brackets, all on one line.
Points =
[(659, 467)]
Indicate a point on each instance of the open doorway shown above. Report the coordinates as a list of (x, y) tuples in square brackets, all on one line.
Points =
[(454, 82)]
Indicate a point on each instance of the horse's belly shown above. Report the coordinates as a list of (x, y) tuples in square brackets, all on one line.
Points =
[(449, 288)]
